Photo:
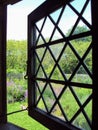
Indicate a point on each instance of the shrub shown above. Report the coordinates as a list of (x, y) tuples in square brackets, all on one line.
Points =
[(15, 92)]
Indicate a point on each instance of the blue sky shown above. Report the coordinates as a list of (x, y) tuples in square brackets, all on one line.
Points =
[(17, 18)]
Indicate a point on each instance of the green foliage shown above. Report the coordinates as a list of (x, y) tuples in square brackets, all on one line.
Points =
[(78, 30), (16, 56), (69, 104), (16, 66), (69, 61), (16, 87), (15, 92)]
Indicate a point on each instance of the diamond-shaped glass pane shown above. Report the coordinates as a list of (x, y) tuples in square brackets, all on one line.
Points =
[(82, 93), (81, 44), (81, 76), (49, 97), (48, 63), (67, 21), (40, 85), (87, 13), (57, 75), (88, 110), (41, 105), (78, 5), (56, 49), (39, 27), (57, 112), (55, 15), (41, 41), (40, 23), (68, 62), (57, 88), (47, 29), (69, 103), (40, 52), (56, 35), (88, 61), (40, 100), (40, 73), (81, 28), (81, 122)]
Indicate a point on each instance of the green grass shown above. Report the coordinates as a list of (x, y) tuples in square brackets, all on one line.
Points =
[(69, 104), (67, 100), (22, 119)]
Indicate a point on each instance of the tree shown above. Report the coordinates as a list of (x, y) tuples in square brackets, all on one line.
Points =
[(78, 30), (16, 56)]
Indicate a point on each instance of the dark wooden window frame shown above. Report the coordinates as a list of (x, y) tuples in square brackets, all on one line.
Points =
[(39, 115), (3, 100), (46, 119)]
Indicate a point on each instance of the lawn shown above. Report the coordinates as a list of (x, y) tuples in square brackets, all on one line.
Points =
[(67, 100), (22, 119)]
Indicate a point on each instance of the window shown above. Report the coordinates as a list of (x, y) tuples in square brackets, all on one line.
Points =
[(60, 64)]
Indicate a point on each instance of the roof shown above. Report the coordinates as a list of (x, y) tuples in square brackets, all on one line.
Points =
[(8, 1)]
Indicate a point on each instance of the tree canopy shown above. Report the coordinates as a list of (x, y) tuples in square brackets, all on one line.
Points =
[(17, 55)]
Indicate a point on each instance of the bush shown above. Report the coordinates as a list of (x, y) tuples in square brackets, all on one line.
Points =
[(15, 92)]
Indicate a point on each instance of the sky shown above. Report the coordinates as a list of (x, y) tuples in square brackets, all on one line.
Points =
[(17, 18)]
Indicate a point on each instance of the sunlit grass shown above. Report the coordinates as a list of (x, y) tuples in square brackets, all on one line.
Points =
[(22, 119)]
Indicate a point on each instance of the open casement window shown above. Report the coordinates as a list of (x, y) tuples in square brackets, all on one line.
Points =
[(60, 64)]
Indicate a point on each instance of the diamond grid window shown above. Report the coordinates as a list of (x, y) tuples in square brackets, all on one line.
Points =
[(60, 64)]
